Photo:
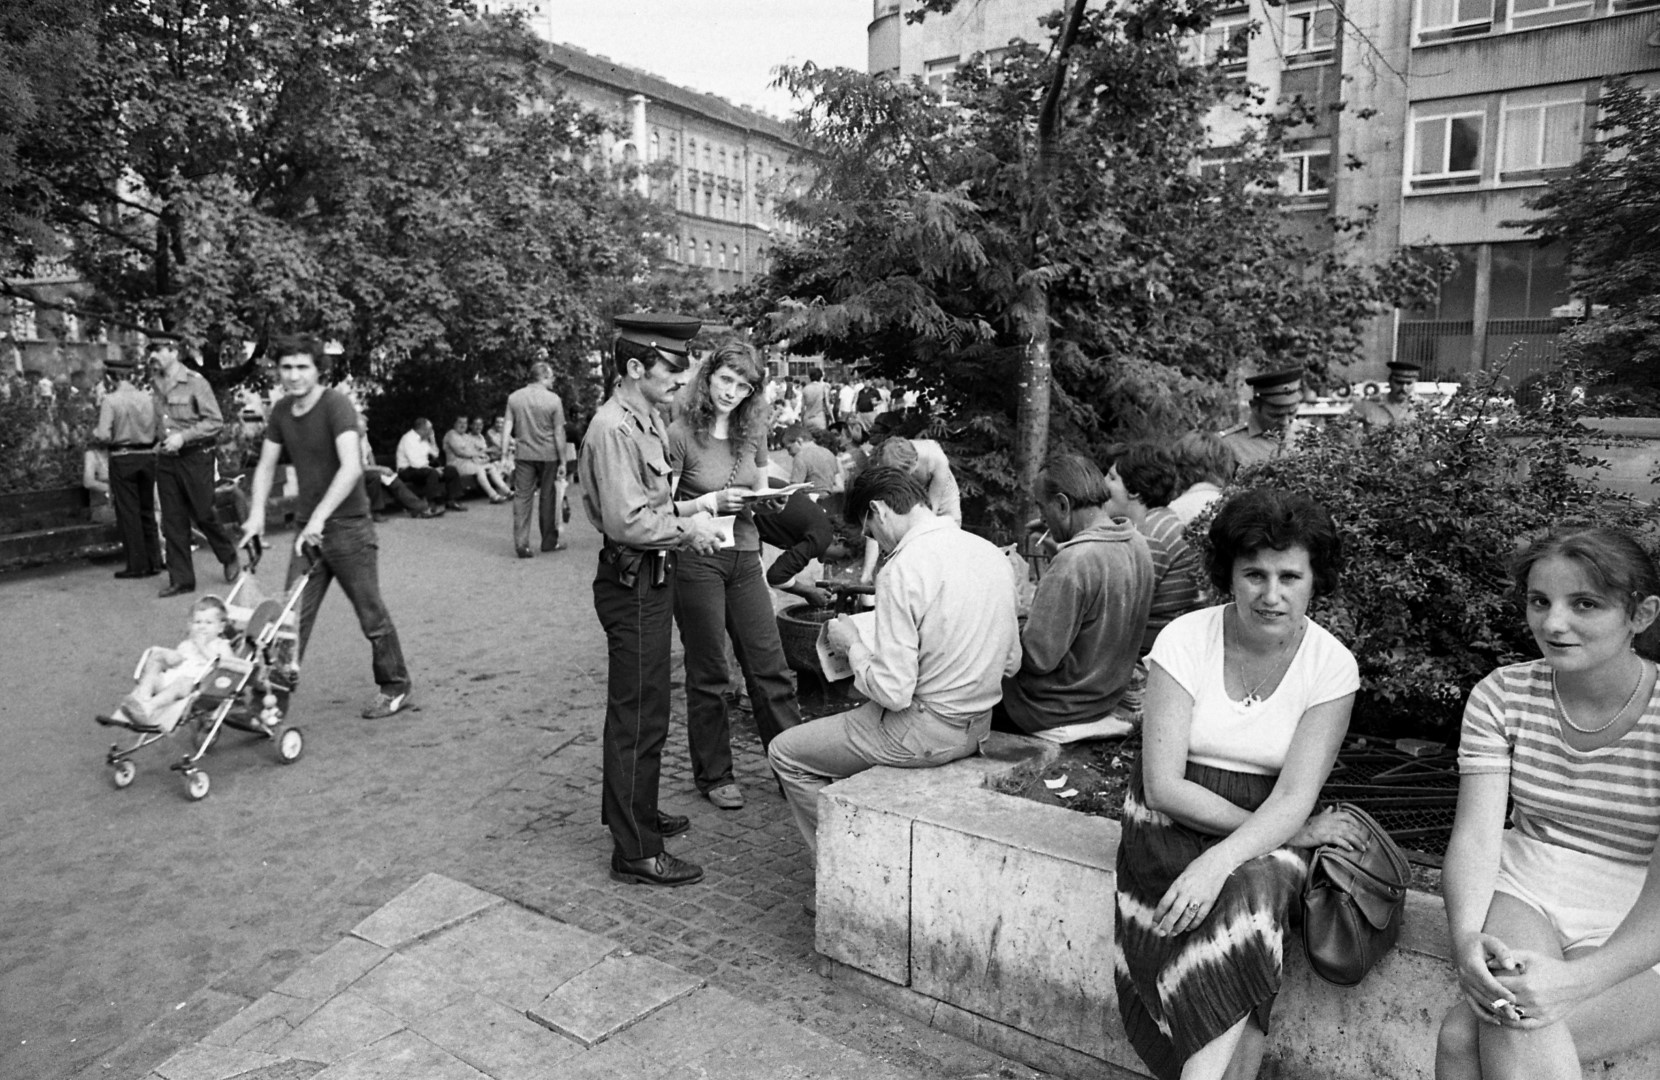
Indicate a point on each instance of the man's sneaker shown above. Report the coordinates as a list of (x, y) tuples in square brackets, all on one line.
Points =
[(385, 705)]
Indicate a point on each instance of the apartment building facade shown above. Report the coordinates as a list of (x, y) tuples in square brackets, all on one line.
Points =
[(1455, 113), (727, 166)]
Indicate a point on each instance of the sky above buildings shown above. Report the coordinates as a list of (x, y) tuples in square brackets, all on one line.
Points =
[(725, 47)]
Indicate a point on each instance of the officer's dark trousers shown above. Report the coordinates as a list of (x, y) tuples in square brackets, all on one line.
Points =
[(133, 491), (637, 621), (184, 485)]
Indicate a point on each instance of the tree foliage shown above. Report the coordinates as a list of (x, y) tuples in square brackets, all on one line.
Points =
[(926, 242), (1607, 210), (1430, 513), (402, 175)]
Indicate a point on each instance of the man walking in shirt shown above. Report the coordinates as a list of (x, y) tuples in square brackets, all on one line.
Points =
[(317, 426), (127, 428), (188, 421), (534, 426), (945, 635)]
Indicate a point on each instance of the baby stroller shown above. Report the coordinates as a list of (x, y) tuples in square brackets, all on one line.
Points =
[(248, 690)]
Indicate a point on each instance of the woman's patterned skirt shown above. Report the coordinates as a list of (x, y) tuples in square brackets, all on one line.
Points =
[(1180, 992)]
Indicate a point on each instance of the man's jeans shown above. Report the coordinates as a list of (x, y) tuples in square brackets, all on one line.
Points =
[(350, 553), (534, 480), (811, 756)]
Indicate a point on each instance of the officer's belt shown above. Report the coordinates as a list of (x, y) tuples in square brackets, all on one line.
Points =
[(630, 560), (132, 448)]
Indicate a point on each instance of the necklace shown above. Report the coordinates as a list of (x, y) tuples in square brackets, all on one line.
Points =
[(1252, 699), (1642, 674)]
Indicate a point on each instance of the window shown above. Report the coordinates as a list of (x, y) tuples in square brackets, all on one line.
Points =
[(656, 146), (674, 248), (737, 260), (1229, 36), (1449, 18), (1527, 281), (1309, 173), (1526, 13), (1310, 30), (1447, 148), (1541, 135), (937, 74), (723, 256), (708, 158), (708, 204), (723, 210), (708, 253)]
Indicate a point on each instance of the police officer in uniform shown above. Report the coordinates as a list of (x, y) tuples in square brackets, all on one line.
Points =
[(1397, 406), (1274, 400), (188, 422), (127, 429), (628, 494)]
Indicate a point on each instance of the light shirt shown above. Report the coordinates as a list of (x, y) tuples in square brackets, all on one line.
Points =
[(126, 419), (415, 452), (1224, 735), (1601, 802), (627, 485), (943, 494), (1194, 501), (538, 423), (945, 632), (185, 406)]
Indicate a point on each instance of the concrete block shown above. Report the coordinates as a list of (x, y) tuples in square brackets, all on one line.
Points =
[(496, 1040), (615, 993), (423, 909), (204, 1062), (864, 886), (401, 1056), (269, 1019), (342, 964), (344, 1025), (408, 989), (1013, 934), (513, 955)]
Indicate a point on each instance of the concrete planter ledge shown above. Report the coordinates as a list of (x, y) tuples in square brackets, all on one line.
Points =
[(991, 917)]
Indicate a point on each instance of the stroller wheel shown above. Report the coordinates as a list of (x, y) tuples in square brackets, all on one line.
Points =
[(124, 773), (196, 785), (289, 745)]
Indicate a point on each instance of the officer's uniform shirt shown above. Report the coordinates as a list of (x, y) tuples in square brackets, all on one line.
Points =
[(126, 420), (1381, 412), (627, 487), (185, 405), (1251, 443)]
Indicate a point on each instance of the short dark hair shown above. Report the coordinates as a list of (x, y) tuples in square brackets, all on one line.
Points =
[(894, 487), (817, 373), (1199, 455), (793, 432), (302, 344), (540, 370), (1267, 518), (1617, 565), (1074, 476), (1149, 473)]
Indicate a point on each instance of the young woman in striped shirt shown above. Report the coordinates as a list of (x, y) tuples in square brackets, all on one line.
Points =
[(1555, 921)]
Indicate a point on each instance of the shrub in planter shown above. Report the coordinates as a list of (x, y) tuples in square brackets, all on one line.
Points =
[(42, 439), (1430, 514)]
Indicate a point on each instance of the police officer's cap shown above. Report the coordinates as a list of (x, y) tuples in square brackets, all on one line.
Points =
[(1277, 384), (156, 340), (120, 365), (1404, 367), (666, 333)]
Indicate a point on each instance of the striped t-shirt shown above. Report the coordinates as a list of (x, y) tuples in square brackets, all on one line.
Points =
[(1602, 802), (1175, 572)]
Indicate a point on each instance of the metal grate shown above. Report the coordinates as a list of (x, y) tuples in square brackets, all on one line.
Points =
[(1414, 798)]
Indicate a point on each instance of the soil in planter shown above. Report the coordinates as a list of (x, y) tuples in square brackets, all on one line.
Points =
[(1093, 777)]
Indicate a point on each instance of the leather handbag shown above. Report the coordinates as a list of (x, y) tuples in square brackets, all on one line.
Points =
[(1353, 903)]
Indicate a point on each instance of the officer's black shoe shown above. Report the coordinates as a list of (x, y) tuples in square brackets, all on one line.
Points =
[(672, 824), (663, 869)]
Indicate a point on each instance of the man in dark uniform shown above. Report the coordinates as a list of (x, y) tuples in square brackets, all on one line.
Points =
[(127, 428), (627, 492), (1397, 406), (1274, 400), (187, 424)]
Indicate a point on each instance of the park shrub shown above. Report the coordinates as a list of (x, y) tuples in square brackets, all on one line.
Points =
[(42, 437), (1430, 513)]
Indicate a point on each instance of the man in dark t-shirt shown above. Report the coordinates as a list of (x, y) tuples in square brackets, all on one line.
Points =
[(318, 427)]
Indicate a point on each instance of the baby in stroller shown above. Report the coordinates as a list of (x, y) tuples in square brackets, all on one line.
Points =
[(169, 675)]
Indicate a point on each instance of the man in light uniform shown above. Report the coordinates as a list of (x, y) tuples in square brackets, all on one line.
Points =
[(1395, 407), (1266, 432), (127, 428), (188, 421)]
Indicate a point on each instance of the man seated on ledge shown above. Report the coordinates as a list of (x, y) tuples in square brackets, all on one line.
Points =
[(945, 635), (1080, 643)]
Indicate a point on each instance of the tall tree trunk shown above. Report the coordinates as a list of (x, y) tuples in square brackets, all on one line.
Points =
[(1032, 407)]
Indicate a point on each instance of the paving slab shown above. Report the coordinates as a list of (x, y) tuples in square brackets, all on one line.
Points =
[(342, 964), (512, 955), (268, 1020), (401, 1056), (615, 993), (204, 1062), (340, 1027), (408, 988), (430, 905), (496, 1040)]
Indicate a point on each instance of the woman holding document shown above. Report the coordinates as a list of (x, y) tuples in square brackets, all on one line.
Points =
[(717, 446)]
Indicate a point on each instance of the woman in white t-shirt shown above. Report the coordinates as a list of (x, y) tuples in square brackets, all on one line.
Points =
[(1555, 921), (1247, 704)]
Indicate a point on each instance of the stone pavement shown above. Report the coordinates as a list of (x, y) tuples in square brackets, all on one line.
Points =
[(452, 983)]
